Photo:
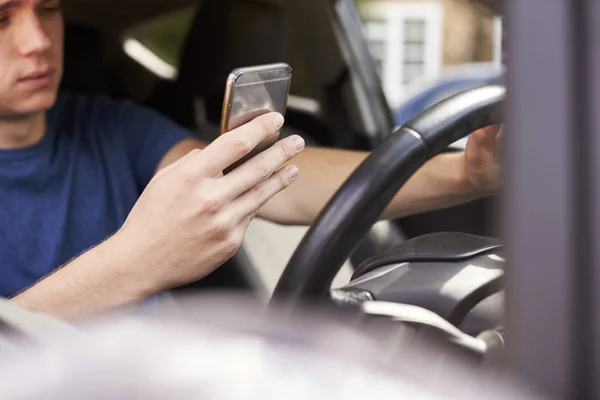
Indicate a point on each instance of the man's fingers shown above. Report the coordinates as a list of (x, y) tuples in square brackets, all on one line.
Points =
[(481, 149), (232, 146), (499, 136), (486, 137), (250, 202), (262, 166), (483, 140)]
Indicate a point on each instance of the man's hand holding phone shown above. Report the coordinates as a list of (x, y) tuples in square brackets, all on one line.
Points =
[(191, 218)]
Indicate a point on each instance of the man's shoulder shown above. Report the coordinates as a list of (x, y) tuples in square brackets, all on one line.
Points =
[(144, 133), (93, 113), (122, 117), (120, 130)]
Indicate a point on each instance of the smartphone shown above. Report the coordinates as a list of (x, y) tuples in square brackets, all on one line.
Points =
[(253, 91)]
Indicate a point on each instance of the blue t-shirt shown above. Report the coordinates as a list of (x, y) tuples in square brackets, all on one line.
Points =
[(75, 188)]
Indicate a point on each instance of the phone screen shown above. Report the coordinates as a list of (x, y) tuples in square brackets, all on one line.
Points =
[(254, 91)]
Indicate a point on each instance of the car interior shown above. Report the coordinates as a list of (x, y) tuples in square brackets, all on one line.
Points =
[(332, 75), (440, 272), (326, 104)]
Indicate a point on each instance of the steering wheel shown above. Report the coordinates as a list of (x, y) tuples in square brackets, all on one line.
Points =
[(361, 200)]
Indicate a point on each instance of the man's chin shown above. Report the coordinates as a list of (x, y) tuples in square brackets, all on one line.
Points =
[(33, 104)]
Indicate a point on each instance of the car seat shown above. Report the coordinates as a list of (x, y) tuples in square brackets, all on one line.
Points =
[(83, 60), (226, 34), (84, 63), (195, 99)]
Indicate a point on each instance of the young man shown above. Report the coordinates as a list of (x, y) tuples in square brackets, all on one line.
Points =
[(81, 173)]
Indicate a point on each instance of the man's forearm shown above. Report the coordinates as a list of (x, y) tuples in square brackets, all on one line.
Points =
[(440, 183), (93, 283)]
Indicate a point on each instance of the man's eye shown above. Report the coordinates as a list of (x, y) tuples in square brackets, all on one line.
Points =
[(49, 9), (50, 6), (3, 20)]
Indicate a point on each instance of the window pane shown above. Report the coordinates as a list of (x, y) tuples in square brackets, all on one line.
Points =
[(414, 31), (377, 34), (411, 72), (377, 48), (414, 53), (376, 29), (165, 36), (414, 49), (379, 67)]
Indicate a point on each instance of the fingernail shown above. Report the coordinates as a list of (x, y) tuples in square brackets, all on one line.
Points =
[(298, 142), (278, 120), (292, 172)]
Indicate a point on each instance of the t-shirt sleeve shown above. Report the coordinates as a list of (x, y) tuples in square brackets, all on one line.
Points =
[(148, 136)]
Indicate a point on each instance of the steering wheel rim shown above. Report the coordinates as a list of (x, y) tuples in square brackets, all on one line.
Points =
[(360, 201)]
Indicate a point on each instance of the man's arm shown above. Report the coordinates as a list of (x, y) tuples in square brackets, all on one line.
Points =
[(440, 183), (446, 180), (187, 222), (102, 279)]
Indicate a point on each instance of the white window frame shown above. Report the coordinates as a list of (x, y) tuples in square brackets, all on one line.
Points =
[(498, 41), (382, 34), (395, 13)]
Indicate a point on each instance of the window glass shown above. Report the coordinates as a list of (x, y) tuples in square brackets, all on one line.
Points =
[(415, 44), (157, 44), (377, 37)]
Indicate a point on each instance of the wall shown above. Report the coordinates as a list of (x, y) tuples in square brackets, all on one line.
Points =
[(468, 35)]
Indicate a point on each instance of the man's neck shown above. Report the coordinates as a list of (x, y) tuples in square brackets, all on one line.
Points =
[(22, 132)]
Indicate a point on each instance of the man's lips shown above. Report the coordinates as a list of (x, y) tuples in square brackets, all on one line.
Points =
[(38, 80), (36, 76)]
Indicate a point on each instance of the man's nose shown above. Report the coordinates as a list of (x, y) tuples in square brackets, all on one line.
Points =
[(30, 37)]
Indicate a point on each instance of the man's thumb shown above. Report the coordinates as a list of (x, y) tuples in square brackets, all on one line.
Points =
[(486, 137)]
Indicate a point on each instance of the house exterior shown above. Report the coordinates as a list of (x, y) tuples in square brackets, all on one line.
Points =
[(416, 39)]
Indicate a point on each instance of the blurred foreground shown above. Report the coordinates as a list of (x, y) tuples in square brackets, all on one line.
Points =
[(227, 347)]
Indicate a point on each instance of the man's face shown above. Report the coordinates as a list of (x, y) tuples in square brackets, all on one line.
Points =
[(31, 56)]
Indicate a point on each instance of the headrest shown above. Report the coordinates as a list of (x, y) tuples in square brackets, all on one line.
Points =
[(83, 60), (224, 36)]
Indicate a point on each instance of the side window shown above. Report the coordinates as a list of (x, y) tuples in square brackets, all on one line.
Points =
[(498, 41), (404, 39), (413, 60), (415, 43), (377, 38), (157, 44)]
